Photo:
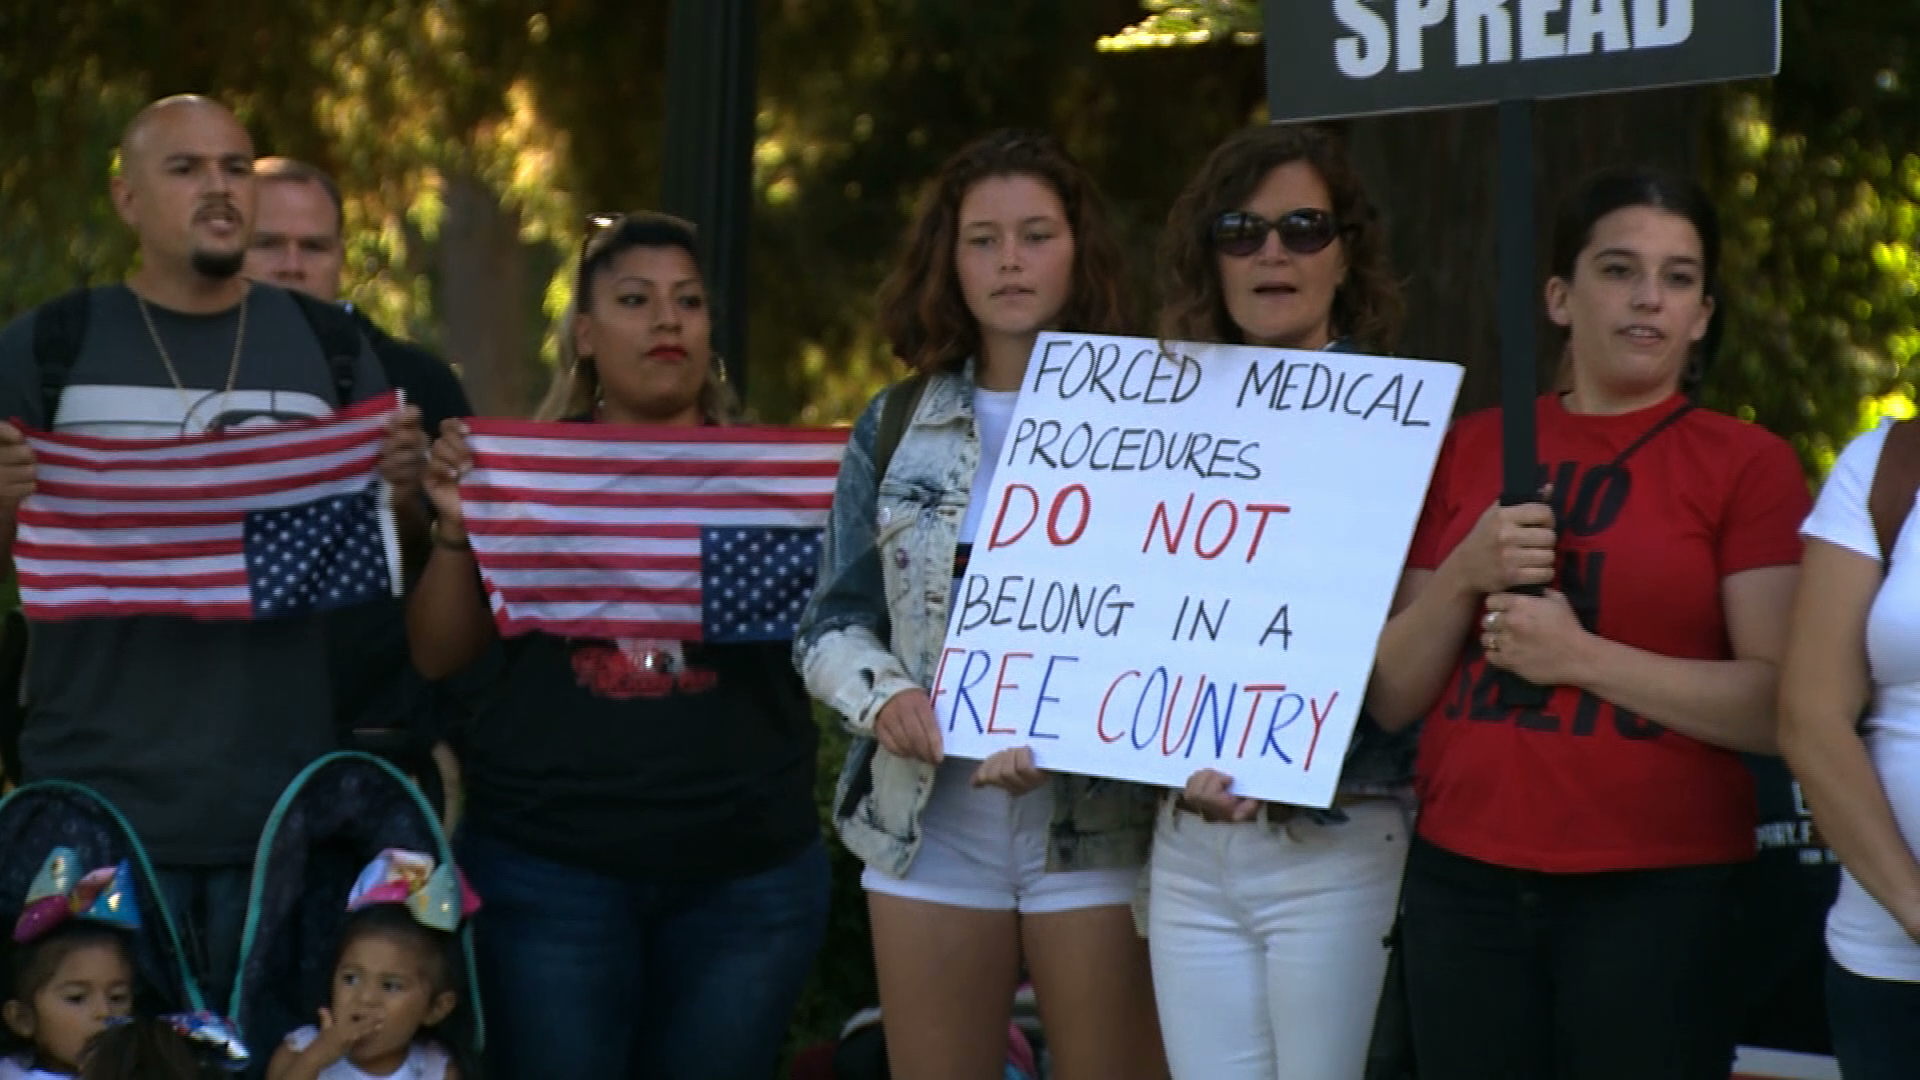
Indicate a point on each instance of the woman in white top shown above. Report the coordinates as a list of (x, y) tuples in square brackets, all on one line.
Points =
[(1268, 922), (975, 870), (1855, 645)]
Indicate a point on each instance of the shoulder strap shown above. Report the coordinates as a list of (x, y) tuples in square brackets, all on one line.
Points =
[(1895, 478), (59, 330), (896, 411), (339, 338)]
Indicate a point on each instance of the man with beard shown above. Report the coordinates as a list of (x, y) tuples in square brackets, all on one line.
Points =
[(384, 705), (191, 728)]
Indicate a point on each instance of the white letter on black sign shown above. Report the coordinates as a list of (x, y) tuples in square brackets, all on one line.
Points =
[(1535, 42), (1657, 24), (1603, 19), (1411, 18), (1477, 21), (1365, 54)]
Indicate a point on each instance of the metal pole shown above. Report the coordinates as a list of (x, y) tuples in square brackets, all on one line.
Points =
[(708, 175), (1519, 354)]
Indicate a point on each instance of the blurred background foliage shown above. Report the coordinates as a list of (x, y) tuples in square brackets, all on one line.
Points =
[(472, 136)]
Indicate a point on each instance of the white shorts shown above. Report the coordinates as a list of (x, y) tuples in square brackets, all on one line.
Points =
[(982, 848)]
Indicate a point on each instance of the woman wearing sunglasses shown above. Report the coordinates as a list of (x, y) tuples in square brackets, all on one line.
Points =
[(640, 816), (976, 870), (1569, 893), (1268, 922)]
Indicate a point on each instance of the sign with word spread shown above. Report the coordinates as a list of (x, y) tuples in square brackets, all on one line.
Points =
[(1186, 559), (1333, 58)]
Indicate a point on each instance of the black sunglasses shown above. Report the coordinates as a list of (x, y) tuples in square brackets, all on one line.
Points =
[(1306, 231)]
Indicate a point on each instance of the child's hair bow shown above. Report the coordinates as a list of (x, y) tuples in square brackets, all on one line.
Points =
[(437, 896), (62, 892), (212, 1035)]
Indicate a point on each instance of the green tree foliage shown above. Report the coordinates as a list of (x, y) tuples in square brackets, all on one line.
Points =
[(862, 99), (1819, 188), (1172, 23)]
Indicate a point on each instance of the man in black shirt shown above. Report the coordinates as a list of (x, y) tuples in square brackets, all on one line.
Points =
[(298, 244), (192, 728), (382, 703)]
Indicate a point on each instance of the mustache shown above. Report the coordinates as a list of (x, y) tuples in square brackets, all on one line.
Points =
[(216, 203)]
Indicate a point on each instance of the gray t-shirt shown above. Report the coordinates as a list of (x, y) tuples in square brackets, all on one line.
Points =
[(191, 728)]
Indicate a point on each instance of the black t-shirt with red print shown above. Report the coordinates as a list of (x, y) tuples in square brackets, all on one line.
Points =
[(656, 759)]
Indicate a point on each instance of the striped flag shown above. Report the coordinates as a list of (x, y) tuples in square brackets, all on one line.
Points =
[(682, 534), (251, 524)]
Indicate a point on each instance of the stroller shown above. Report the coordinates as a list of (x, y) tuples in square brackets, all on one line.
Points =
[(336, 817), (38, 818)]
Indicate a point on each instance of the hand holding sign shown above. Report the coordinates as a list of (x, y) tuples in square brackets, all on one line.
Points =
[(1209, 793), (906, 727), (1011, 771)]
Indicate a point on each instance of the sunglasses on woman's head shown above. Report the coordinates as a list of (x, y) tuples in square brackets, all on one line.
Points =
[(1306, 231), (595, 225)]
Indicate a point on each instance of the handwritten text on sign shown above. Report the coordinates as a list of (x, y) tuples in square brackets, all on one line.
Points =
[(1186, 559)]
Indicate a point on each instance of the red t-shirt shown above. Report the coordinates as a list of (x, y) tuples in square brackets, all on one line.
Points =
[(1584, 785)]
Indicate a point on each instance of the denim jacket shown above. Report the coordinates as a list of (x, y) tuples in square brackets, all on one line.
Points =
[(878, 621)]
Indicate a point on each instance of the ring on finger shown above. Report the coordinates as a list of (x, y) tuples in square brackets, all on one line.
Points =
[(1491, 621)]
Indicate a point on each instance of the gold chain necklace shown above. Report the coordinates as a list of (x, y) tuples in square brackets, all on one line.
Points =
[(233, 369)]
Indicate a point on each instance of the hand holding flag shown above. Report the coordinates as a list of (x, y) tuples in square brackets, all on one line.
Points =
[(16, 467)]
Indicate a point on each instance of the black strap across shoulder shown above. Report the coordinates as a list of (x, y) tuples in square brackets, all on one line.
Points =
[(1646, 436)]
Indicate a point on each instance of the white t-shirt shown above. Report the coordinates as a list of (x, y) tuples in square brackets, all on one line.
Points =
[(1862, 937), (992, 416), (18, 1069), (425, 1061)]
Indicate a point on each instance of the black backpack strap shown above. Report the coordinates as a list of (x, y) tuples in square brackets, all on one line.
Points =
[(340, 340), (896, 412), (59, 330)]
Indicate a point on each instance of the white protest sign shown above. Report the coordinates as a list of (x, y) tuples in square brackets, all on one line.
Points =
[(1186, 559)]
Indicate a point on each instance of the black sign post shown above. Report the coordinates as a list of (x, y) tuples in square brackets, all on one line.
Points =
[(1332, 59)]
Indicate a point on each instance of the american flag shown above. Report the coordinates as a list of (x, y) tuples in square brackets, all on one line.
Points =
[(243, 525), (685, 534)]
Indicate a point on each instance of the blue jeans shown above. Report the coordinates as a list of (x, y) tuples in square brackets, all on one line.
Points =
[(209, 906), (1876, 1025), (583, 974)]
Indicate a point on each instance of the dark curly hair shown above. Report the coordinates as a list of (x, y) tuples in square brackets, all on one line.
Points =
[(1367, 307), (922, 311)]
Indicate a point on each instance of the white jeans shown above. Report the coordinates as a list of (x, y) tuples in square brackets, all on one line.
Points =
[(1268, 941)]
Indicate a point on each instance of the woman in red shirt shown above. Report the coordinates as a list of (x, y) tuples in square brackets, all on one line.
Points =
[(1568, 891)]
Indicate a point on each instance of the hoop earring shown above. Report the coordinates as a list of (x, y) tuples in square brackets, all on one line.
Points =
[(584, 365)]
